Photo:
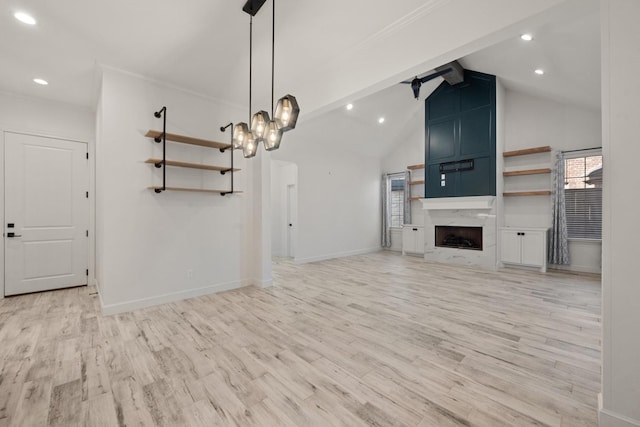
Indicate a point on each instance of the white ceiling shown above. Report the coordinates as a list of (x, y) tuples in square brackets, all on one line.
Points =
[(202, 46), (567, 47)]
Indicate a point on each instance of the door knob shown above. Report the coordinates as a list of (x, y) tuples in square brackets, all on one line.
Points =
[(290, 225)]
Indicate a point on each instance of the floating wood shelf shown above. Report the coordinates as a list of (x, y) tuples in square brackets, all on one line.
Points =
[(526, 151), (188, 140), (197, 190), (527, 172), (414, 167), (191, 165), (416, 182), (527, 193), (414, 198)]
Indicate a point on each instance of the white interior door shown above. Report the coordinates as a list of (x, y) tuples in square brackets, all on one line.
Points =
[(46, 213), (291, 220)]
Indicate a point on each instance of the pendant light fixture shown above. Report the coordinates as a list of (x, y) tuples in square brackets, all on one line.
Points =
[(284, 115)]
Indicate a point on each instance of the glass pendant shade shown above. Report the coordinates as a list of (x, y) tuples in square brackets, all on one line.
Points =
[(259, 124), (272, 136), (240, 134), (286, 114), (250, 147)]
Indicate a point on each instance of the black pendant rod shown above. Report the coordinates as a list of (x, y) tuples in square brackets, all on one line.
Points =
[(582, 149), (273, 44), (250, 63)]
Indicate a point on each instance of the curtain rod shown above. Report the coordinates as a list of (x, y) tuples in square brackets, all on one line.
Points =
[(582, 149)]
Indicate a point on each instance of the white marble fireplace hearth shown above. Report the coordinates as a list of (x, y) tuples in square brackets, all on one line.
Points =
[(475, 211)]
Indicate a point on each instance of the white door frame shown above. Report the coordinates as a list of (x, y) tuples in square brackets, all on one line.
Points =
[(291, 203), (90, 186)]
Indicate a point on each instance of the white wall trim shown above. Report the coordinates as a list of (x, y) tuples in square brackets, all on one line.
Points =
[(263, 283), (110, 309), (168, 85), (337, 255), (576, 268), (611, 419)]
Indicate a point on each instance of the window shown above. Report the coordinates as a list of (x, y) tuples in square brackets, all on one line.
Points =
[(397, 200), (583, 196)]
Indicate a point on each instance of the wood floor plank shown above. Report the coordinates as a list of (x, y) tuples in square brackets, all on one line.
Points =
[(370, 340)]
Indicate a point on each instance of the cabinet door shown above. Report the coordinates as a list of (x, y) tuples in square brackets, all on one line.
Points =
[(419, 233), (533, 248), (510, 251), (408, 239)]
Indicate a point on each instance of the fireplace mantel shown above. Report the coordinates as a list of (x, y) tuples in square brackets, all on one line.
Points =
[(459, 203)]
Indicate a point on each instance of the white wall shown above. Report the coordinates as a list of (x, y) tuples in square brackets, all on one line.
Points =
[(338, 194), (621, 149), (46, 118), (531, 121), (148, 243), (409, 150)]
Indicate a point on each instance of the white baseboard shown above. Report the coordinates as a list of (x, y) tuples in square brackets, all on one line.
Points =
[(611, 419), (337, 255), (576, 268), (263, 283), (122, 307)]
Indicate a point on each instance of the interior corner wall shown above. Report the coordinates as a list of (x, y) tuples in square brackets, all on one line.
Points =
[(501, 94), (532, 121), (409, 150), (154, 248), (621, 150), (45, 118), (338, 195)]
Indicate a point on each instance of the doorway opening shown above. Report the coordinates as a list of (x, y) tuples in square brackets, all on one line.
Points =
[(284, 209)]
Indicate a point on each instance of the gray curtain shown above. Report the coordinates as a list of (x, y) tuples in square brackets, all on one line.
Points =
[(386, 211), (558, 241), (407, 195)]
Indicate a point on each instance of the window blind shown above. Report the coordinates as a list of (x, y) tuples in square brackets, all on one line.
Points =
[(583, 208), (583, 195)]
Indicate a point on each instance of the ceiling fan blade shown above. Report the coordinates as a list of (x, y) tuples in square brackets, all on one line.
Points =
[(434, 75)]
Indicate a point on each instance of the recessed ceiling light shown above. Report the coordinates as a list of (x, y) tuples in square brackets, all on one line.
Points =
[(42, 82), (349, 106), (381, 120), (25, 17), (526, 37), (539, 71)]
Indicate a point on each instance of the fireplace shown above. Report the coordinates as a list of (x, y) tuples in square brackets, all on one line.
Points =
[(459, 237), (473, 212)]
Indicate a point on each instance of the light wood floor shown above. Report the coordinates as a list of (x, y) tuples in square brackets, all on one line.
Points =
[(377, 340)]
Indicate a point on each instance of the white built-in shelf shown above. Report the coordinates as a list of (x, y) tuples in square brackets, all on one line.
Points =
[(414, 198), (420, 182), (191, 165), (415, 167)]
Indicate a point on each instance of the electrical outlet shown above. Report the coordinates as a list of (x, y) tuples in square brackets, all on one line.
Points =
[(190, 273)]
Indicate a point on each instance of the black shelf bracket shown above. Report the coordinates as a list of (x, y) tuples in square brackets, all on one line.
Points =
[(230, 170), (162, 138)]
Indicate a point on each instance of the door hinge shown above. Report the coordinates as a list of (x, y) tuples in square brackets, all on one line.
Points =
[(87, 271), (87, 194), (87, 156), (87, 233)]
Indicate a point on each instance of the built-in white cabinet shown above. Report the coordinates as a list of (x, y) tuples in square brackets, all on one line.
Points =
[(412, 239), (524, 246)]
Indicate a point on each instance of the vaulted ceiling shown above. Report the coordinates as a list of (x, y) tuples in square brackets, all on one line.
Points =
[(325, 51), (328, 53)]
